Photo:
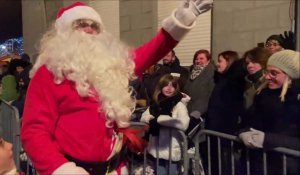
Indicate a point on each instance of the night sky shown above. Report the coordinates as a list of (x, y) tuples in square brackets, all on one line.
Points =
[(10, 19)]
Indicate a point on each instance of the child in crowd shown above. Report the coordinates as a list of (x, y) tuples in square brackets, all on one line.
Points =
[(7, 164), (168, 110)]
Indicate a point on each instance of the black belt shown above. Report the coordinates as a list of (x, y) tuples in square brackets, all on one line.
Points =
[(93, 168), (100, 168)]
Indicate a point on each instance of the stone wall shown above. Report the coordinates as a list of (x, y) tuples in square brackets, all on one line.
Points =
[(237, 24), (240, 24), (137, 21)]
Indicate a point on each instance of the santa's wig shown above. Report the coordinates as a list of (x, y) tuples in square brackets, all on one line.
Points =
[(96, 63)]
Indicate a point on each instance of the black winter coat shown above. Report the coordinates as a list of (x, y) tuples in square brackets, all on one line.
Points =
[(226, 101), (279, 120)]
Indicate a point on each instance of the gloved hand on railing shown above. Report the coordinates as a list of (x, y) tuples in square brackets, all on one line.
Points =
[(188, 11), (246, 138), (258, 138)]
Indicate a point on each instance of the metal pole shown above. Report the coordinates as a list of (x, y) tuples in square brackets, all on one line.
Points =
[(297, 24)]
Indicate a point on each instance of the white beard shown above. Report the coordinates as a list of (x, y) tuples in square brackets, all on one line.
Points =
[(93, 62)]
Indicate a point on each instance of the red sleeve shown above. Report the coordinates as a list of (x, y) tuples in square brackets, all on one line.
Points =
[(154, 50), (39, 120)]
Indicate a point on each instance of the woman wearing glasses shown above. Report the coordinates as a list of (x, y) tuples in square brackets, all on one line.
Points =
[(273, 119), (274, 43)]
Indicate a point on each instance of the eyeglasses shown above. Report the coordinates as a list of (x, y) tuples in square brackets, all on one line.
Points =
[(273, 73), (272, 43), (83, 23)]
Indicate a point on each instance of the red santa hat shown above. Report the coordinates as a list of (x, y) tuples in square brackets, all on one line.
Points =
[(67, 15)]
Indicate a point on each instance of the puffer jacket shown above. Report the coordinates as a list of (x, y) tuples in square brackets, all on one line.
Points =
[(179, 120)]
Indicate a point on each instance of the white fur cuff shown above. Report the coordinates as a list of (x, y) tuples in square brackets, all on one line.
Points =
[(69, 168), (175, 28)]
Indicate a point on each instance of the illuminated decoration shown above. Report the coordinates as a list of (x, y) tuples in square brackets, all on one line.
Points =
[(12, 46)]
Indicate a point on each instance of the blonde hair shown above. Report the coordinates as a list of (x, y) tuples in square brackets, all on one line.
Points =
[(95, 63), (285, 86)]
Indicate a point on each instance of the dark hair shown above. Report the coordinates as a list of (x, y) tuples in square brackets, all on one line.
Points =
[(258, 55), (276, 38), (164, 81), (205, 52), (230, 56), (25, 57)]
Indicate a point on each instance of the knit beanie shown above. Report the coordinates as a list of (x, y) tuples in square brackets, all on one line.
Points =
[(288, 61), (276, 38), (67, 15)]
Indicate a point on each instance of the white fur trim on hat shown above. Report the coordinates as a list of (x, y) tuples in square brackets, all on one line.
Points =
[(288, 61), (78, 12), (175, 28)]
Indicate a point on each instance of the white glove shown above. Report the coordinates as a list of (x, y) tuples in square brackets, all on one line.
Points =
[(147, 118), (190, 9), (70, 168), (246, 138), (258, 138)]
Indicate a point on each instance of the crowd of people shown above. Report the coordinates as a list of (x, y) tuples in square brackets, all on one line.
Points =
[(14, 80), (85, 86), (255, 97)]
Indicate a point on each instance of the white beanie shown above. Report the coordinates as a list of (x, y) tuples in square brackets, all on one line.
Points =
[(67, 15), (288, 61)]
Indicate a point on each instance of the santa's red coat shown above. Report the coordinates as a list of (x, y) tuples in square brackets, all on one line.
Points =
[(58, 121)]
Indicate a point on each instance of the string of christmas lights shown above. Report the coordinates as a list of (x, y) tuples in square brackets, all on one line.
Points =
[(12, 46)]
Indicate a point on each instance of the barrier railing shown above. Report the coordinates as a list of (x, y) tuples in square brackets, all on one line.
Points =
[(10, 131), (231, 140), (183, 142), (10, 128)]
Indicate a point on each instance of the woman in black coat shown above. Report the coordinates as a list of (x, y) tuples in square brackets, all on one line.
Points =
[(226, 101), (225, 105), (273, 120)]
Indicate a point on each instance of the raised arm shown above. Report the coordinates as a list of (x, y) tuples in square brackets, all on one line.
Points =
[(174, 28)]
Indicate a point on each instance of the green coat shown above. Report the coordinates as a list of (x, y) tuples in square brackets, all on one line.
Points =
[(9, 88)]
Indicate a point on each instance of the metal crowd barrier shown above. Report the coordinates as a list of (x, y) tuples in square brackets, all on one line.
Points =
[(285, 153), (10, 131), (10, 128), (183, 142), (184, 165)]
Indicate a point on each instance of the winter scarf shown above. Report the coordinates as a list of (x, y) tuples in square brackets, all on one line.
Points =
[(164, 107), (196, 71)]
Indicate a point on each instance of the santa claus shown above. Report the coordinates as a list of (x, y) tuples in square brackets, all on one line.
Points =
[(78, 103)]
